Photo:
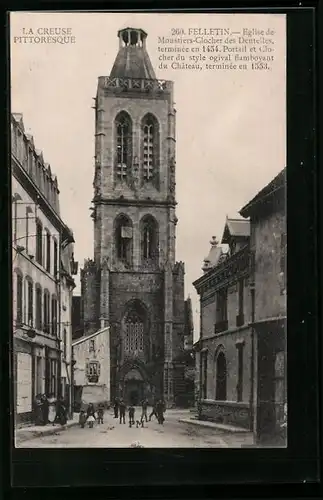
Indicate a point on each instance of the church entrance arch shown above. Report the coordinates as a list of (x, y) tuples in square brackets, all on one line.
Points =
[(133, 387)]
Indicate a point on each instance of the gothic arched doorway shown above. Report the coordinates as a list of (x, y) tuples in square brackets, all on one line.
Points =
[(133, 387), (221, 377), (134, 378)]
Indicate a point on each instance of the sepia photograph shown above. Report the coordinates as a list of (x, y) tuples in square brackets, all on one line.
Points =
[(149, 240)]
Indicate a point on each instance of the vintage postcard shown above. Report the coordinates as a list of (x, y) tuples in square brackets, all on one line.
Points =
[(148, 171)]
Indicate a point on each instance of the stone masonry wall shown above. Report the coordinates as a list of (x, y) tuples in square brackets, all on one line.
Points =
[(269, 301)]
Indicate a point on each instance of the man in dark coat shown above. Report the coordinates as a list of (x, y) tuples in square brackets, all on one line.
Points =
[(122, 411), (144, 407), (131, 411), (116, 407), (61, 411), (160, 411), (154, 411)]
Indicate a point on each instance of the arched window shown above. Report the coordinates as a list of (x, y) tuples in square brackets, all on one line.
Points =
[(30, 302), (123, 127), (46, 311), (149, 238), (54, 316), (39, 242), (29, 211), (134, 334), (150, 146), (221, 377), (123, 239), (48, 250), (38, 322), (19, 299)]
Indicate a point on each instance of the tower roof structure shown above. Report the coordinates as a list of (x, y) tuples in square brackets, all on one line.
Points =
[(132, 60)]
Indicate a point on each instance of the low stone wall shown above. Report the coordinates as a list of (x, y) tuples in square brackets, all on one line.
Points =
[(225, 412)]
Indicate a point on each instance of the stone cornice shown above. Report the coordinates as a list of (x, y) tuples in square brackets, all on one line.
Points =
[(132, 202), (37, 196), (226, 273)]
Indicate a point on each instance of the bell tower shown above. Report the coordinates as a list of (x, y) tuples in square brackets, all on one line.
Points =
[(139, 287)]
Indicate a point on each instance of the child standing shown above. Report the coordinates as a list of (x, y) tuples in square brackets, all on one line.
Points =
[(91, 415), (100, 414)]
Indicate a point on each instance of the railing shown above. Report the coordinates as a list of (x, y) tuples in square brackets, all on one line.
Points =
[(221, 326), (137, 84)]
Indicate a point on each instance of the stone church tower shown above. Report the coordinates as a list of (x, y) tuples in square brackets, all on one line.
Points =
[(134, 284)]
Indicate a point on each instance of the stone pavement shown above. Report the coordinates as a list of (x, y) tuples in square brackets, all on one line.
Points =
[(112, 434)]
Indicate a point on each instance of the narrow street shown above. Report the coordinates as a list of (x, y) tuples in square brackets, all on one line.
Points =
[(112, 434)]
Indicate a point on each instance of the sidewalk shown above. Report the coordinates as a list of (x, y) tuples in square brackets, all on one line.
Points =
[(34, 431), (214, 425)]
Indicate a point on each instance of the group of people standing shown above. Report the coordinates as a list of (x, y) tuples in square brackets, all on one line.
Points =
[(49, 410), (90, 416), (120, 408)]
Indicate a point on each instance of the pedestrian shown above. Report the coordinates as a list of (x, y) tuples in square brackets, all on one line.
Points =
[(122, 411), (61, 412), (160, 412), (100, 414), (131, 411), (116, 407), (38, 411), (82, 419), (44, 408), (90, 415), (144, 407), (52, 409), (154, 412)]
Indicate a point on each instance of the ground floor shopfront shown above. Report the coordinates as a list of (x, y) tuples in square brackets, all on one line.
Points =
[(225, 377), (242, 379), (36, 370)]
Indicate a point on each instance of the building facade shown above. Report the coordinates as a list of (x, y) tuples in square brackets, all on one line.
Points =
[(134, 284), (38, 236), (267, 213), (223, 351), (91, 354), (241, 352)]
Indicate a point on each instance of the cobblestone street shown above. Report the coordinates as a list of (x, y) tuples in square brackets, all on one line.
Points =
[(112, 434)]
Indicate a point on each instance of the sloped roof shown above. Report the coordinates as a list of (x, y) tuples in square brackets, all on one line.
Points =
[(277, 183), (132, 61), (88, 337), (235, 228), (214, 255)]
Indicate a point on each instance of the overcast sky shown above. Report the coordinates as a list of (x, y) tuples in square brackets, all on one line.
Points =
[(231, 137)]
